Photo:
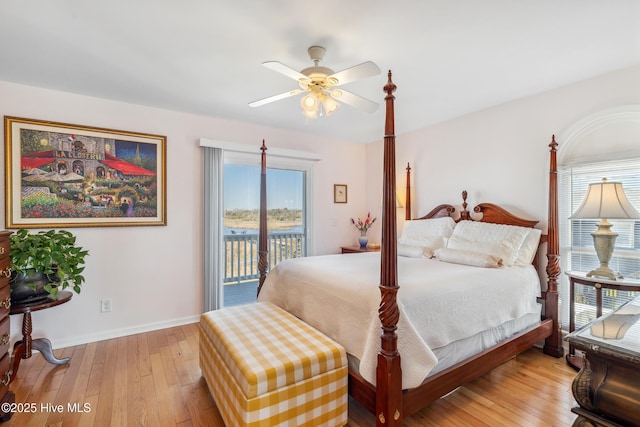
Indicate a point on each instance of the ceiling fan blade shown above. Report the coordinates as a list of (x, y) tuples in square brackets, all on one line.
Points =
[(283, 69), (273, 98), (357, 72), (354, 100)]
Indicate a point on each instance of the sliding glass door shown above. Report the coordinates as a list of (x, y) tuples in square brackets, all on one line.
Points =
[(287, 223)]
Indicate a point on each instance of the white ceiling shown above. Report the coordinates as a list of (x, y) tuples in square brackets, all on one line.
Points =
[(448, 58)]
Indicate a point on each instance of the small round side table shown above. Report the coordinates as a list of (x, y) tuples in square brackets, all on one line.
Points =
[(22, 349)]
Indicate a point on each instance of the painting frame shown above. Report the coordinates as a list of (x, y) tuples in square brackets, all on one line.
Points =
[(60, 175), (339, 193)]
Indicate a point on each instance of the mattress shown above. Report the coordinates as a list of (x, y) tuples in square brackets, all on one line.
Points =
[(440, 304)]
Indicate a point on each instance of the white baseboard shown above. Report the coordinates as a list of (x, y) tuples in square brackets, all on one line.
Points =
[(117, 333)]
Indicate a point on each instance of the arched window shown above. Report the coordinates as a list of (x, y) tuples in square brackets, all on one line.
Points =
[(604, 145)]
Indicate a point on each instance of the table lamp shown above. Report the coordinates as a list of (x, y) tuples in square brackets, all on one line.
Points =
[(605, 200)]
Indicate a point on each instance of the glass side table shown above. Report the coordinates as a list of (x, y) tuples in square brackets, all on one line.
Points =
[(607, 388), (598, 283)]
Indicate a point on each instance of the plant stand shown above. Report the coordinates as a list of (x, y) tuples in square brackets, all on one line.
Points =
[(23, 349)]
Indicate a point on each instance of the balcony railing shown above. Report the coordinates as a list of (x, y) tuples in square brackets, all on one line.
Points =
[(241, 260)]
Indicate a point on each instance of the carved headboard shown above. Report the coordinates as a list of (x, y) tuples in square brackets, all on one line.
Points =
[(489, 213)]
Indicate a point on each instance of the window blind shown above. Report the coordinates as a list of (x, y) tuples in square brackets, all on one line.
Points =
[(576, 242)]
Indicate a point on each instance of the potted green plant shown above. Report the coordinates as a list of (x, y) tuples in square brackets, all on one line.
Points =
[(44, 263)]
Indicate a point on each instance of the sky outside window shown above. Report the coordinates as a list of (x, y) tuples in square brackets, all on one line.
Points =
[(242, 188)]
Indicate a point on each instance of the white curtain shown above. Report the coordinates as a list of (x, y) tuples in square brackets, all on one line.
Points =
[(213, 227)]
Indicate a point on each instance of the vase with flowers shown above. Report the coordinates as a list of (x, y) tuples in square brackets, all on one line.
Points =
[(363, 226)]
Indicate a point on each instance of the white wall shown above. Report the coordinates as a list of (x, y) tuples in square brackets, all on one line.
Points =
[(154, 274), (499, 155)]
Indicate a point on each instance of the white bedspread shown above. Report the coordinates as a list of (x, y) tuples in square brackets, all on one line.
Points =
[(439, 303)]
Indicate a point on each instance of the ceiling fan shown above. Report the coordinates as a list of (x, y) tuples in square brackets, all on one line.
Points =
[(321, 86)]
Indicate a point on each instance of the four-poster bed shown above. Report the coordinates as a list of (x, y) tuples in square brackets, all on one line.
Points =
[(391, 398)]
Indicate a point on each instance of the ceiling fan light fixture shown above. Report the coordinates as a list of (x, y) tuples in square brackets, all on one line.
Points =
[(304, 83), (309, 102), (329, 105), (310, 114), (331, 81), (317, 83)]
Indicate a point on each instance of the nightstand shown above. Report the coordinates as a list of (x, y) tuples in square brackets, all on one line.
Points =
[(357, 249), (598, 283)]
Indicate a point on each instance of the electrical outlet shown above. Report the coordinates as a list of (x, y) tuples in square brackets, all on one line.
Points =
[(105, 305)]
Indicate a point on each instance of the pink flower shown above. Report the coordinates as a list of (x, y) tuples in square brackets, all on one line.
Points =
[(363, 225)]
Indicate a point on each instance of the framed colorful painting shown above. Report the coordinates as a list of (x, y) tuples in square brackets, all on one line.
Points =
[(60, 175)]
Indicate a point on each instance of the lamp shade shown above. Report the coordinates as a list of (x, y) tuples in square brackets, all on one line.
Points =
[(309, 102), (615, 326), (316, 102), (606, 200), (330, 105)]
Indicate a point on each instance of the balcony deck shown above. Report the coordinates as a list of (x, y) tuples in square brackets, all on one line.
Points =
[(240, 293), (241, 261)]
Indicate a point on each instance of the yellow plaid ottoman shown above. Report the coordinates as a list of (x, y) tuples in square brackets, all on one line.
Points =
[(266, 367)]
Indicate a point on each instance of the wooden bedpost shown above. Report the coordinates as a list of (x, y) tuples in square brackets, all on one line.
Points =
[(263, 262), (407, 197), (553, 344), (389, 373)]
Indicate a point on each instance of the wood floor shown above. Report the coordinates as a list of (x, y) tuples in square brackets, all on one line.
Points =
[(153, 379)]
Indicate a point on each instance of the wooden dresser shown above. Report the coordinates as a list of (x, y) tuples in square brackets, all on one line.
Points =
[(6, 396)]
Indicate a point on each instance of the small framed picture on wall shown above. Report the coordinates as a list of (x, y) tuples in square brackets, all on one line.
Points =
[(339, 193)]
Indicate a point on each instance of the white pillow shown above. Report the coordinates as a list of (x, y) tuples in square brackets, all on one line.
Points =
[(414, 251), (432, 242), (529, 248), (465, 257), (421, 228), (497, 239), (497, 249)]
